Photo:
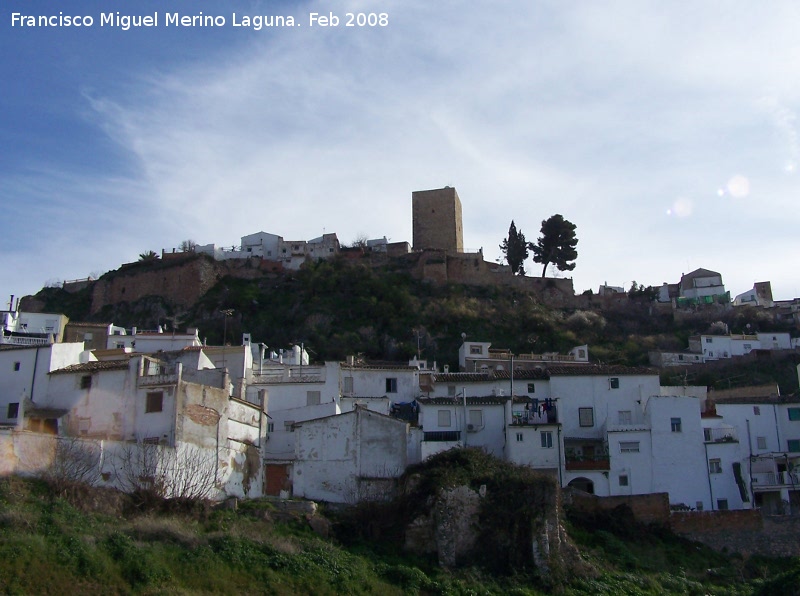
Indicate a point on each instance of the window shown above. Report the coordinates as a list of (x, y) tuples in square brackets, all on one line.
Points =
[(722, 504), (709, 340), (757, 410), (629, 446), (520, 436), (288, 426), (613, 382), (547, 439), (444, 418), (531, 388), (312, 398), (793, 445), (475, 350), (794, 413), (451, 390), (761, 442), (625, 417), (675, 424), (586, 416), (17, 365), (270, 427), (714, 466), (13, 410), (391, 385), (86, 382), (154, 402), (348, 385), (623, 480), (707, 435), (476, 419), (150, 441), (680, 356)]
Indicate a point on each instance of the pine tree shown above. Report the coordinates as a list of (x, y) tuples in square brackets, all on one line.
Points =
[(556, 244)]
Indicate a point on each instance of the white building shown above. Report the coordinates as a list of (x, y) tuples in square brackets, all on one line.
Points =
[(478, 356), (148, 342), (290, 253), (349, 457), (31, 329), (716, 347)]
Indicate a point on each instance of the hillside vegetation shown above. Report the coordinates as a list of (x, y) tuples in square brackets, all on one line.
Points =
[(97, 541), (341, 307)]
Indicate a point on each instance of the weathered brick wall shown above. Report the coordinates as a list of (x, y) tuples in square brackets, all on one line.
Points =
[(181, 282), (747, 532), (647, 509)]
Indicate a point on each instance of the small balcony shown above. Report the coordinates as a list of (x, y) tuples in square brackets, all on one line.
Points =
[(594, 462), (774, 480), (725, 434), (587, 457), (535, 418)]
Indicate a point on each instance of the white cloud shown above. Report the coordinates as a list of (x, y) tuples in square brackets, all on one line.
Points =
[(610, 115)]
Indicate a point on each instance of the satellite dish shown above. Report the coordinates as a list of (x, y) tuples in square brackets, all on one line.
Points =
[(463, 336)]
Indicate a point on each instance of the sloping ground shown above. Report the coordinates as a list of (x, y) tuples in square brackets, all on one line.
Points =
[(95, 541)]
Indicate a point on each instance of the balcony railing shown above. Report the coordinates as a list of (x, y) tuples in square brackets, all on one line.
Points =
[(17, 340), (530, 419), (763, 480), (597, 459), (591, 462), (442, 436), (163, 379), (720, 435)]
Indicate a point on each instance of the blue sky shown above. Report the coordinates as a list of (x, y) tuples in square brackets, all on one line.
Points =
[(666, 132)]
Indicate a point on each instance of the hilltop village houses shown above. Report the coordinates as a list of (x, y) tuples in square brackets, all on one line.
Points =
[(259, 422), (160, 409)]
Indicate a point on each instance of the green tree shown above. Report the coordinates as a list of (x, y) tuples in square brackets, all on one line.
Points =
[(515, 249), (556, 244)]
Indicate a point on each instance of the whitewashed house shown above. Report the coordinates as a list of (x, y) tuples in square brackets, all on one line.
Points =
[(753, 439), (177, 400), (658, 447), (589, 397), (717, 347), (24, 376), (479, 357), (31, 329), (350, 457)]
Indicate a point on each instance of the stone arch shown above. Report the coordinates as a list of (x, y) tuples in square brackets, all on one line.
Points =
[(583, 484)]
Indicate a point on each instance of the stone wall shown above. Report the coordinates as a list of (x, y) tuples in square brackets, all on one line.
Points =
[(179, 281), (747, 532), (647, 509)]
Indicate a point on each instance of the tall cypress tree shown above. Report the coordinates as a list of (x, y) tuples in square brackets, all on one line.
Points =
[(515, 249)]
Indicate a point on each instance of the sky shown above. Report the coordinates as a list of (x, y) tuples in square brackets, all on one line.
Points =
[(665, 131)]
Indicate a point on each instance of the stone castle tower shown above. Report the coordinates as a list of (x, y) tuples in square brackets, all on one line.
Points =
[(436, 218)]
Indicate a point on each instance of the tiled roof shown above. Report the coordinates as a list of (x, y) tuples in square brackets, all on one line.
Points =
[(483, 400), (92, 367), (759, 394), (379, 366), (568, 370), (488, 377)]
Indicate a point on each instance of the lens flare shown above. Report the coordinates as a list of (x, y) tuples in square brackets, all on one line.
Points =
[(739, 187)]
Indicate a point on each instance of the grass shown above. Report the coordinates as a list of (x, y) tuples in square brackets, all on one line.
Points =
[(54, 544)]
